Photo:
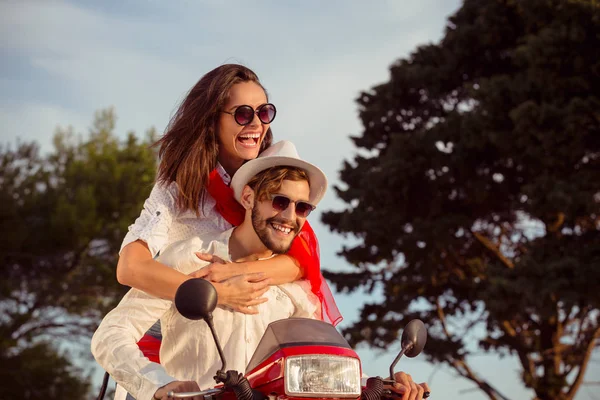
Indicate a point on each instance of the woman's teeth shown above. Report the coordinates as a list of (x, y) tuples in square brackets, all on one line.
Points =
[(249, 137)]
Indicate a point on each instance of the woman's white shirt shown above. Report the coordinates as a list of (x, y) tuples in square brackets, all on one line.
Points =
[(161, 223)]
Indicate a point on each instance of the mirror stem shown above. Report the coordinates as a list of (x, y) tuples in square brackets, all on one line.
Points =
[(209, 321), (405, 348)]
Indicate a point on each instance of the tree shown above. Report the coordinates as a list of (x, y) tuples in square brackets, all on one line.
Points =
[(62, 220), (40, 372), (475, 194)]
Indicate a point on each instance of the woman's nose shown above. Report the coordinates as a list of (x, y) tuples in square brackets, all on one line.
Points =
[(255, 120)]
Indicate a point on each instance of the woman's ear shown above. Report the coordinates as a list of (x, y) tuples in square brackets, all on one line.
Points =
[(247, 199)]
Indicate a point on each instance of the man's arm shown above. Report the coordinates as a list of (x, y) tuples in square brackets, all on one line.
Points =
[(114, 344)]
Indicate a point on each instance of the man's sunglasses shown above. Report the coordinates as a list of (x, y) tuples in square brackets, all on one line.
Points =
[(243, 115), (281, 203)]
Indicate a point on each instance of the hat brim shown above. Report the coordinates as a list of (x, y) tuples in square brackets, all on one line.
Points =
[(317, 179)]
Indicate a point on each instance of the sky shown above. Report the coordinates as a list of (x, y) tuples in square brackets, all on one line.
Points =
[(64, 60)]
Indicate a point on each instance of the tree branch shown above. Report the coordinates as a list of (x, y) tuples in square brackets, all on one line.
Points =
[(560, 332), (586, 358), (571, 316), (493, 248), (461, 366), (522, 351), (463, 369), (560, 220), (71, 326), (582, 316), (442, 317)]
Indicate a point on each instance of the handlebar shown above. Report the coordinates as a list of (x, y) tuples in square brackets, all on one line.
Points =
[(390, 394), (183, 395)]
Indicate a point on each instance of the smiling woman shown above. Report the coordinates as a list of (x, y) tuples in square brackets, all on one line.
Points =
[(222, 122), (202, 148)]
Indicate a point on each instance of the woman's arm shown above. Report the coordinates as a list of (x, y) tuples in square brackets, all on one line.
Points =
[(279, 269), (138, 269)]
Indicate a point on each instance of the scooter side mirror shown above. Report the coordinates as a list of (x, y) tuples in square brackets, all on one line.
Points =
[(196, 299), (414, 338)]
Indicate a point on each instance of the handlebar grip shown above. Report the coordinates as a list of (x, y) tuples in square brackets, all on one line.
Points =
[(387, 393)]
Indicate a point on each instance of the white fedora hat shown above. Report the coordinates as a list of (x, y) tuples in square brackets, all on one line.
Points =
[(280, 154)]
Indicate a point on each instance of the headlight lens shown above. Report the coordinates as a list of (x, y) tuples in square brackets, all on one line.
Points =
[(322, 376)]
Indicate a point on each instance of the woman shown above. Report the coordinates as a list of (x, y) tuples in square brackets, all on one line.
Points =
[(223, 121)]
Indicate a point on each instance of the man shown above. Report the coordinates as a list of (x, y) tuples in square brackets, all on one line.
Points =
[(278, 191)]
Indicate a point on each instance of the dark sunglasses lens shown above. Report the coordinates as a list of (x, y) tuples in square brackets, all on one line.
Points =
[(280, 203), (244, 115), (266, 113), (303, 209)]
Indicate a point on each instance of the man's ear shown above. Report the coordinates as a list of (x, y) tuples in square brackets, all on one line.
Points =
[(247, 199)]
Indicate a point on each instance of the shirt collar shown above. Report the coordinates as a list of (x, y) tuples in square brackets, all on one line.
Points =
[(223, 174)]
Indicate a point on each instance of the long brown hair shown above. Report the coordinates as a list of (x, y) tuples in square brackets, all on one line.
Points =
[(189, 148)]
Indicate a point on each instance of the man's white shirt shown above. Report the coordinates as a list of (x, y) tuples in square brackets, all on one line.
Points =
[(188, 351)]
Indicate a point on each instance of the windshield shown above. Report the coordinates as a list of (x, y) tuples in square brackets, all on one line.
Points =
[(295, 332)]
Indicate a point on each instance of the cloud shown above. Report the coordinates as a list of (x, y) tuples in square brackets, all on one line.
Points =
[(24, 123), (92, 61), (144, 64)]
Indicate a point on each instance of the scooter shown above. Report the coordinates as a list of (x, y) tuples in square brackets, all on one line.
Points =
[(295, 358)]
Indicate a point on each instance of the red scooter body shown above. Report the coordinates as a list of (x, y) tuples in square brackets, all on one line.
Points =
[(298, 338), (296, 357), (268, 376)]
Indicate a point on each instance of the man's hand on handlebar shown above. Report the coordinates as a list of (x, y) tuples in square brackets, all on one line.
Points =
[(406, 389), (177, 387)]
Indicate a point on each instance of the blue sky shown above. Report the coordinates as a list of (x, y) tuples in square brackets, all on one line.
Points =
[(63, 60)]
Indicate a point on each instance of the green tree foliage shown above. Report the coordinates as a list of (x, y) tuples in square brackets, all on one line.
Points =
[(475, 193), (62, 220), (40, 372)]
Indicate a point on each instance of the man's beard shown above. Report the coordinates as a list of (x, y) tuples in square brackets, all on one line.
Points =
[(262, 226)]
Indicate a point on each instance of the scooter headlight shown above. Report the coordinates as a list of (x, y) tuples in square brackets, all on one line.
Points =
[(322, 376)]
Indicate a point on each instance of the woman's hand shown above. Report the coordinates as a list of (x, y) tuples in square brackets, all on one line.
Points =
[(218, 270), (243, 292), (236, 289), (408, 389)]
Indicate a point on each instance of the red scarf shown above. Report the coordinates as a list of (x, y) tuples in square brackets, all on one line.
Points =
[(305, 249)]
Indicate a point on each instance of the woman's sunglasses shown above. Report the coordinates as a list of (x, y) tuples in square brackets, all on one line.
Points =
[(243, 115), (281, 203)]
